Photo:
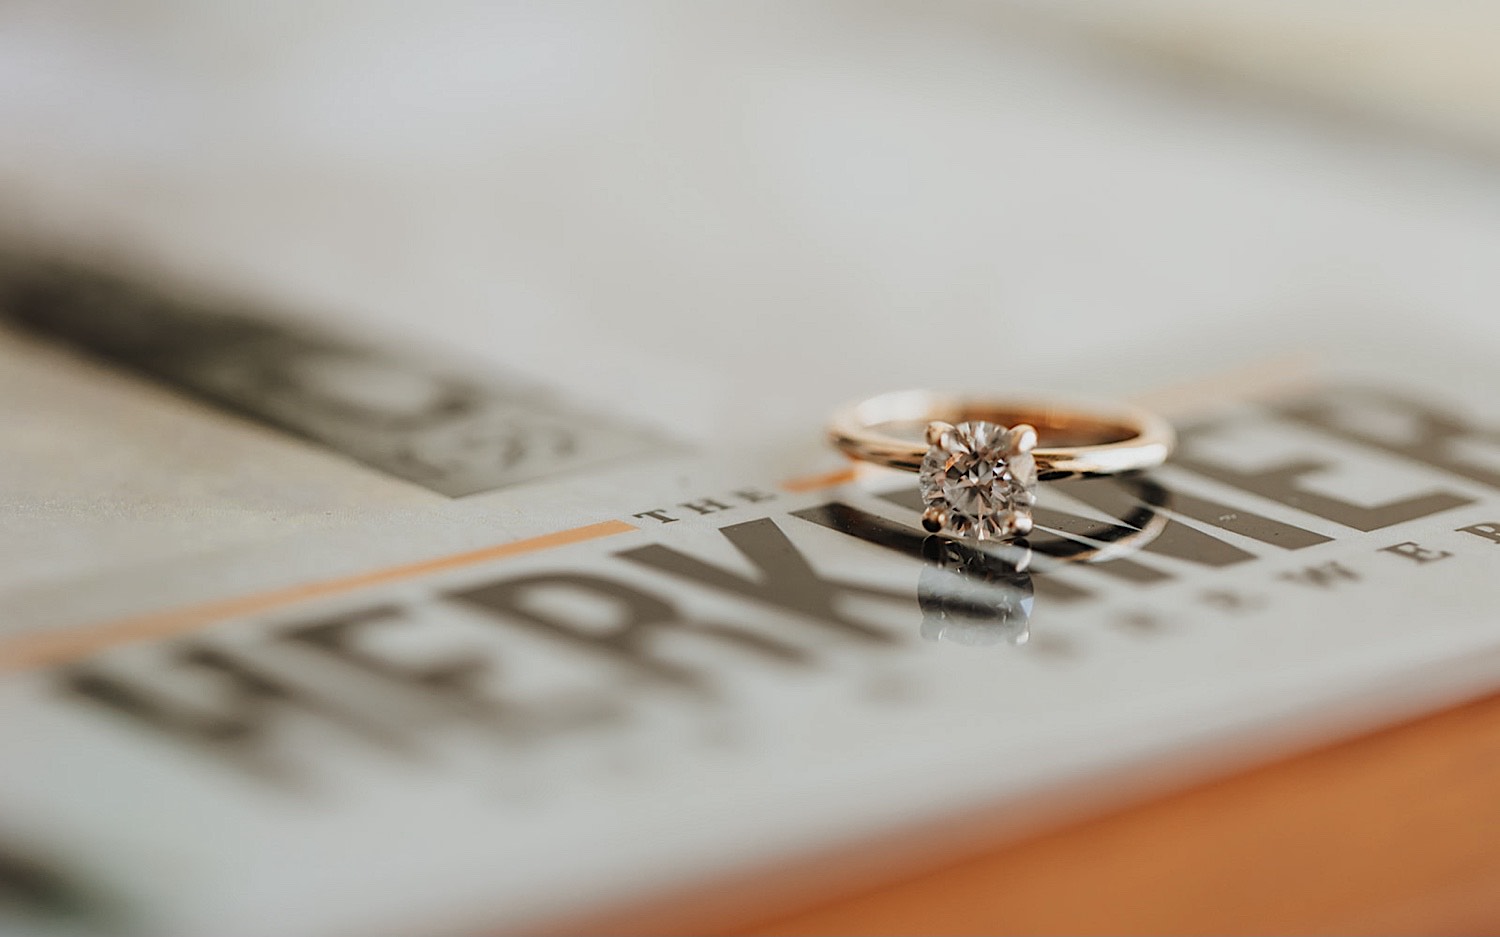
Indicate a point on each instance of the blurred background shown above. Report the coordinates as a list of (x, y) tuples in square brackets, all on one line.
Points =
[(655, 205)]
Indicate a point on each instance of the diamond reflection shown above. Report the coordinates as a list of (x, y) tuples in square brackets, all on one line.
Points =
[(975, 597)]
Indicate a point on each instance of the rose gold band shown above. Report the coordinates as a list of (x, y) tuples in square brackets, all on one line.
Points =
[(1073, 440)]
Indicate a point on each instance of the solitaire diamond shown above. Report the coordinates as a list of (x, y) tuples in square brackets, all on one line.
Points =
[(979, 479)]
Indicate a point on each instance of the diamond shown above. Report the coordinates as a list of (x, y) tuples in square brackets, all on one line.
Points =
[(979, 479)]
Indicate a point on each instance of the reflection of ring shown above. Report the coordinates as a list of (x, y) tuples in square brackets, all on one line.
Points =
[(981, 459), (1107, 541), (972, 597)]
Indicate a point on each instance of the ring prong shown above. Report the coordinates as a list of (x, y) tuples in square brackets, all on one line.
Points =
[(935, 431), (933, 519), (1023, 524), (1024, 436)]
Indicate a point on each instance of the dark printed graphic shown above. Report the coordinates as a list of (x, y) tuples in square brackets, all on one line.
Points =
[(452, 433)]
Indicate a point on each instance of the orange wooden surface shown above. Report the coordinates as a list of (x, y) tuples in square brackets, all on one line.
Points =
[(1396, 832)]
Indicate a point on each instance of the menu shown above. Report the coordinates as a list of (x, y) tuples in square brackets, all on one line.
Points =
[(308, 632)]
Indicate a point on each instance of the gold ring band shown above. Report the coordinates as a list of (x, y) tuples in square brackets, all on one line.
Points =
[(980, 458), (1073, 441)]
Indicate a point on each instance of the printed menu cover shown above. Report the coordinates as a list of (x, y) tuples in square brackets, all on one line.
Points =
[(511, 663)]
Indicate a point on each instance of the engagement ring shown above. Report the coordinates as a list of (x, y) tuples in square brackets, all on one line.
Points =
[(979, 460)]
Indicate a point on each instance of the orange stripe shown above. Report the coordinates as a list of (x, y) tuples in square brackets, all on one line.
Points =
[(40, 650), (842, 476)]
